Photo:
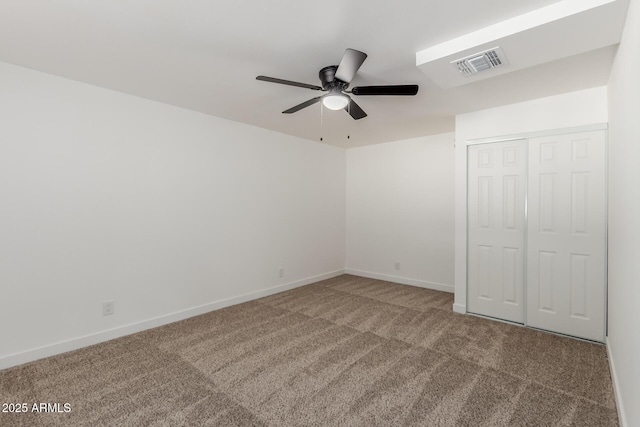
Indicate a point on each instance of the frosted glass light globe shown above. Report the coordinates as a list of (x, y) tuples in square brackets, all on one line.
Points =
[(335, 102)]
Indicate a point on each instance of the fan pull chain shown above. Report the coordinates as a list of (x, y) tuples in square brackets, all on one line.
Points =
[(321, 119)]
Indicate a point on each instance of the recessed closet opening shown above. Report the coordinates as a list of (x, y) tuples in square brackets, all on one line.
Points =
[(536, 230)]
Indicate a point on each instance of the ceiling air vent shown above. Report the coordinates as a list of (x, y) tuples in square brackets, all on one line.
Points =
[(481, 61)]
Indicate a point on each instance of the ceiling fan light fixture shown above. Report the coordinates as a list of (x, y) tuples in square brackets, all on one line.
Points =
[(335, 80), (335, 101)]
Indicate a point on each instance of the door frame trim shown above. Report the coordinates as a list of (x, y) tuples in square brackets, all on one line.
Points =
[(536, 134)]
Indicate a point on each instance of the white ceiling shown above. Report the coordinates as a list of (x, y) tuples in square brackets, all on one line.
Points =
[(205, 55)]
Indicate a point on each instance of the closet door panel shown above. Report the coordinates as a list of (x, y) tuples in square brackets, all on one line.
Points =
[(566, 235), (496, 202)]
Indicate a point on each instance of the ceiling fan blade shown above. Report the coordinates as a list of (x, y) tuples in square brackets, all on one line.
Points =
[(354, 110), (350, 64), (287, 82), (385, 90), (303, 105)]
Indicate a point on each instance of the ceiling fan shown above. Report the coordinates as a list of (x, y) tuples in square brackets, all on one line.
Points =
[(335, 80)]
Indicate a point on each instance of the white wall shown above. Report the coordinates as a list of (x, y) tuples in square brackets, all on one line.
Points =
[(624, 219), (166, 211), (400, 209), (585, 107)]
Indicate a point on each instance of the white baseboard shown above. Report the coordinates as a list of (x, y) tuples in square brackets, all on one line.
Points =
[(87, 340), (402, 280), (459, 308), (616, 389)]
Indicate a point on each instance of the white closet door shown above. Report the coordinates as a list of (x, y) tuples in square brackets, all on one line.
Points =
[(496, 231), (566, 279)]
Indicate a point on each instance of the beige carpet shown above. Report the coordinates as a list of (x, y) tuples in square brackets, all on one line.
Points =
[(346, 352)]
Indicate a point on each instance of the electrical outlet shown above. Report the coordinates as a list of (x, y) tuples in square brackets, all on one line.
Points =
[(281, 272), (108, 307), (397, 265)]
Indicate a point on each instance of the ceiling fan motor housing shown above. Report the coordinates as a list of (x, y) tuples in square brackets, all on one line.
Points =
[(329, 81)]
